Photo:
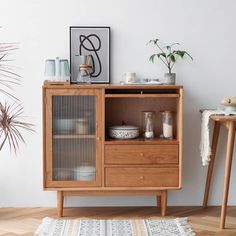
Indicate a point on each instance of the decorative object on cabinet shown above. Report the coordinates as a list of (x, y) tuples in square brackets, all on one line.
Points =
[(130, 77), (148, 124), (167, 124), (124, 132), (229, 122), (85, 69), (168, 55), (57, 70), (94, 41), (64, 70), (115, 167), (50, 68)]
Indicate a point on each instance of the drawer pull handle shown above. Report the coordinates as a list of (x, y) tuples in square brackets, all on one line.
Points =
[(98, 138), (141, 154), (141, 177)]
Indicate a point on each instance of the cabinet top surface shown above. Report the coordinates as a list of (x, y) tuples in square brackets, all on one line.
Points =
[(59, 85)]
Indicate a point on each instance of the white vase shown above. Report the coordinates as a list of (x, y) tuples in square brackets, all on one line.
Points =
[(170, 78)]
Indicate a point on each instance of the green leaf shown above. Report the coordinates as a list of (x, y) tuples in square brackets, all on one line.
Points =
[(152, 57), (172, 58), (186, 53), (162, 54), (158, 55), (154, 41)]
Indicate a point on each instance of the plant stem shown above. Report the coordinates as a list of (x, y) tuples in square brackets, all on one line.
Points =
[(162, 52), (164, 62)]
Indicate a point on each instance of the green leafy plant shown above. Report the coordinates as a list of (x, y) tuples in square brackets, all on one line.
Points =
[(167, 54), (11, 115)]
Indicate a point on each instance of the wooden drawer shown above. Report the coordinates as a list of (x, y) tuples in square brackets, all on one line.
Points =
[(141, 154), (142, 177)]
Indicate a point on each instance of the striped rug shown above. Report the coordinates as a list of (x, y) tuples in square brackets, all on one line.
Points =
[(88, 227)]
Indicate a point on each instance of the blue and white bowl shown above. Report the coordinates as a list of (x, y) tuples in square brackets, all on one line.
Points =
[(124, 132)]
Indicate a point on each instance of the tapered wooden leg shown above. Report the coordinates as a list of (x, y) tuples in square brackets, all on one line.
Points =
[(158, 201), (60, 200), (163, 202), (229, 156), (211, 164)]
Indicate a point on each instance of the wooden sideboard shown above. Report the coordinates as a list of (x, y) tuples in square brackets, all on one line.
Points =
[(81, 160)]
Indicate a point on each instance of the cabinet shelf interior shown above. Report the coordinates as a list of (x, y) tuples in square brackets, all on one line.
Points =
[(74, 136)]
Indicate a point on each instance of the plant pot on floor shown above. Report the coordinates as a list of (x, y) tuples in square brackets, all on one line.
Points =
[(170, 78)]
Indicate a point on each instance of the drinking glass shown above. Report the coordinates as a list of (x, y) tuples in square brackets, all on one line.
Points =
[(49, 72)]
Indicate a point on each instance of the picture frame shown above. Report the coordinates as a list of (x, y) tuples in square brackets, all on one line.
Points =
[(94, 41)]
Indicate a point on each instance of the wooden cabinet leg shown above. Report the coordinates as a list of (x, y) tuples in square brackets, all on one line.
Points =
[(60, 200), (211, 164), (158, 201), (229, 156), (163, 202)]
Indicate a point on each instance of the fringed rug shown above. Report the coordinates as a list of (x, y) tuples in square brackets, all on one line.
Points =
[(88, 227)]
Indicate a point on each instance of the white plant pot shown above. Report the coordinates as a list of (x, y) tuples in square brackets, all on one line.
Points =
[(170, 78)]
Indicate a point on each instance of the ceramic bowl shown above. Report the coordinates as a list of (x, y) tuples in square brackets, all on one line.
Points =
[(64, 126), (230, 108), (62, 174), (124, 132), (85, 173)]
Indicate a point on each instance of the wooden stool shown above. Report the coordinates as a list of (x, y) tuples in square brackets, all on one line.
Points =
[(230, 123)]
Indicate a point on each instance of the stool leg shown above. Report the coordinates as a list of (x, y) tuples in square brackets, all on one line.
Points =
[(229, 156), (211, 164)]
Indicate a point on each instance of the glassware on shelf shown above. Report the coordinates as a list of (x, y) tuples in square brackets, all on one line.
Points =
[(82, 126), (148, 124), (49, 72), (85, 69), (85, 172), (62, 174), (167, 124)]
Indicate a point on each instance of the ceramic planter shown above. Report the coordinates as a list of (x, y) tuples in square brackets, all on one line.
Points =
[(170, 78)]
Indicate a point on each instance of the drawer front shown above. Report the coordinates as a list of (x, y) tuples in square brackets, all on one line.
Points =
[(141, 154), (142, 177)]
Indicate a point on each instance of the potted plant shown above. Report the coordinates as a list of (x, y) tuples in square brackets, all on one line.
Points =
[(11, 113), (168, 56)]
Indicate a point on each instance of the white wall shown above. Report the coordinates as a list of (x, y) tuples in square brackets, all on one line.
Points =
[(204, 28)]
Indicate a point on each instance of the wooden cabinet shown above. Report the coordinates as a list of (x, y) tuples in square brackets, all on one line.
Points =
[(81, 159)]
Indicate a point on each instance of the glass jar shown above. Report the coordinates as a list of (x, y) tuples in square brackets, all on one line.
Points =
[(85, 69), (81, 126), (167, 124), (148, 124)]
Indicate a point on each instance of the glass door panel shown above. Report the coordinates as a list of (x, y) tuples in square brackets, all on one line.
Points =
[(74, 138)]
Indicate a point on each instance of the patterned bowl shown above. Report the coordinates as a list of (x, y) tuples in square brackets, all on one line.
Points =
[(124, 132)]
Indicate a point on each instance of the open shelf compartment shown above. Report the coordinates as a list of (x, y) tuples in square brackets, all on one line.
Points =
[(129, 111)]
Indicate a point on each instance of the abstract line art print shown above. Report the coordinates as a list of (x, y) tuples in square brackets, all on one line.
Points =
[(93, 41)]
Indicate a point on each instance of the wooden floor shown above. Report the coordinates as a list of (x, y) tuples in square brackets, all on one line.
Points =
[(24, 221)]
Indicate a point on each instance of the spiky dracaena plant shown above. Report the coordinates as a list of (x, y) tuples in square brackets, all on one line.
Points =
[(11, 114)]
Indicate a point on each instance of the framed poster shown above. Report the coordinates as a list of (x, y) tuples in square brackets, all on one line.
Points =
[(95, 43)]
